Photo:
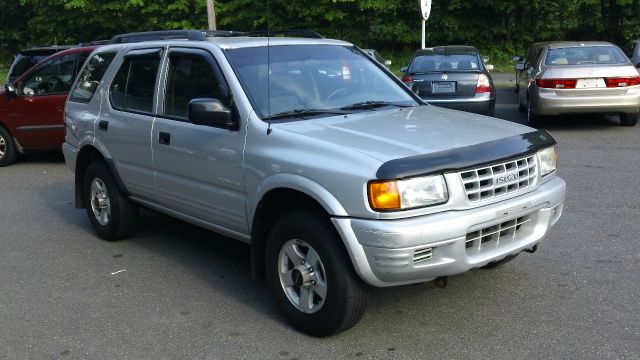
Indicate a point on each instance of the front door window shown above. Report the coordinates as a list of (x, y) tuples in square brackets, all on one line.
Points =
[(53, 78)]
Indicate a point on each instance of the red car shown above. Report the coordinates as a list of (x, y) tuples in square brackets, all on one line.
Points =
[(32, 107)]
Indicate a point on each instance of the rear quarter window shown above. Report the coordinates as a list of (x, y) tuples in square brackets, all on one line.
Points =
[(90, 77)]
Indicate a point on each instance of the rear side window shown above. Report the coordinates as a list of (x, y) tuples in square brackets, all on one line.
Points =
[(90, 77), (133, 86)]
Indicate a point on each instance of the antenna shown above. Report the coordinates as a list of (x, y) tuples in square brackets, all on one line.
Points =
[(269, 130)]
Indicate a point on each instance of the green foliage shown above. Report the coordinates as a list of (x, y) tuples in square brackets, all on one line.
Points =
[(498, 28)]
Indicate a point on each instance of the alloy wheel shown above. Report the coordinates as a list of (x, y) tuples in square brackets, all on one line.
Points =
[(3, 147), (100, 202), (302, 276)]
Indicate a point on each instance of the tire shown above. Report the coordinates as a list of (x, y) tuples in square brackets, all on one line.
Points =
[(629, 119), (8, 153), (533, 120), (495, 264), (521, 108), (322, 295), (110, 212), (491, 111)]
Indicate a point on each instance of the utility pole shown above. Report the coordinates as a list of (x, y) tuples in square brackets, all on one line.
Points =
[(211, 14)]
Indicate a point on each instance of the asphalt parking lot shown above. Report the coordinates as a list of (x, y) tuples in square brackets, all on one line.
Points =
[(175, 291)]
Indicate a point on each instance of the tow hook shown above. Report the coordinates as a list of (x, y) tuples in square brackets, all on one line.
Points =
[(440, 282), (533, 249)]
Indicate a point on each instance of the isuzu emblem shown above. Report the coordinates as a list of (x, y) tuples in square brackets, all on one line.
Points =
[(506, 178)]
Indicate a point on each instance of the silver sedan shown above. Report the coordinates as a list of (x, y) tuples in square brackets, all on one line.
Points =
[(579, 77)]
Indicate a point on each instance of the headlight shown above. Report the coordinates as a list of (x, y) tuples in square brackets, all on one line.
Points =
[(547, 159), (389, 195)]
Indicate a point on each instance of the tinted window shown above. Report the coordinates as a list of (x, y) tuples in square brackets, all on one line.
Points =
[(90, 77), (189, 77), (54, 77), (22, 63), (584, 55), (442, 62), (133, 85)]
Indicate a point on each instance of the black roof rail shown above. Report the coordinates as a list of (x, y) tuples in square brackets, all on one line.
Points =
[(195, 35), (305, 33)]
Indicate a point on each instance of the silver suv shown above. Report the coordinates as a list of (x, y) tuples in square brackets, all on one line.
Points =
[(334, 172)]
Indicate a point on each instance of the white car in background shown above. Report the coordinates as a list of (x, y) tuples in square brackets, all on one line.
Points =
[(579, 77)]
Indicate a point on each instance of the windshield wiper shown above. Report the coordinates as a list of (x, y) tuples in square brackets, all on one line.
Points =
[(302, 113), (365, 105)]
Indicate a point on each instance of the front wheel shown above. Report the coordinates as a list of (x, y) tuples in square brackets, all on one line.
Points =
[(7, 148), (310, 275), (111, 213)]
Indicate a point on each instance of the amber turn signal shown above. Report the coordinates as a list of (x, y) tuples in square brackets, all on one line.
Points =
[(384, 195)]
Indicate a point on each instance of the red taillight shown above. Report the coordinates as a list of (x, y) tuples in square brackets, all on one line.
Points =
[(556, 83), (407, 79), (622, 81), (484, 86)]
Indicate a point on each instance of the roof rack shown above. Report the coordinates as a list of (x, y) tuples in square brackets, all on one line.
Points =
[(202, 35), (305, 33), (192, 35)]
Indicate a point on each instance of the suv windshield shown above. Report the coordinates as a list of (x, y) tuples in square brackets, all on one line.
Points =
[(307, 80), (585, 55)]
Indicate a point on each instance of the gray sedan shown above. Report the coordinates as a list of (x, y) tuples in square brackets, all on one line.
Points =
[(452, 76), (579, 77)]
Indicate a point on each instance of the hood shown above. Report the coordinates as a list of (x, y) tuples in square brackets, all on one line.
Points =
[(402, 132)]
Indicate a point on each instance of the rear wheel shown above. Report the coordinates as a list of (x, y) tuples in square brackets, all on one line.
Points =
[(7, 148), (310, 275), (629, 119), (111, 213)]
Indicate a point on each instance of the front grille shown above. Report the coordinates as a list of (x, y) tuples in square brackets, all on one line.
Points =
[(493, 236), (499, 179)]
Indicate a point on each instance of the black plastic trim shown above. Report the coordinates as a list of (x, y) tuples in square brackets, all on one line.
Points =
[(467, 157)]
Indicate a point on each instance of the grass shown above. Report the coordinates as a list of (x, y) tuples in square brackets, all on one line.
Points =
[(3, 74)]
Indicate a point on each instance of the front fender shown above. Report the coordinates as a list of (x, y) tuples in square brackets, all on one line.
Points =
[(298, 183)]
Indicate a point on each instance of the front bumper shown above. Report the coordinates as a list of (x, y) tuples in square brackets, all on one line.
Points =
[(577, 101), (70, 155), (395, 252)]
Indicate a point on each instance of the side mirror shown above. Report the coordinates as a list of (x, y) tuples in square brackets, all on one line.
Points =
[(404, 69), (10, 89), (520, 66), (211, 112), (387, 63), (516, 58), (489, 67)]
